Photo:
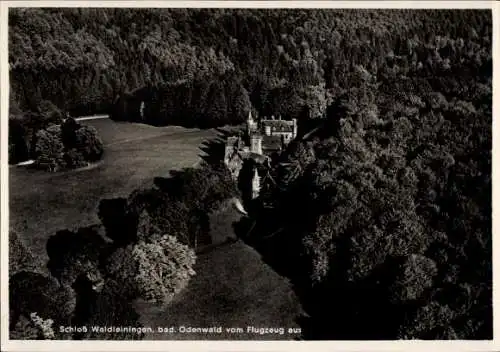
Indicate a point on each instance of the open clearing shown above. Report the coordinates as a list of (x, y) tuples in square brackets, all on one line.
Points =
[(233, 287), (42, 203)]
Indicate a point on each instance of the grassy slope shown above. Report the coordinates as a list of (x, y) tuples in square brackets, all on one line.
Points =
[(42, 203), (232, 288)]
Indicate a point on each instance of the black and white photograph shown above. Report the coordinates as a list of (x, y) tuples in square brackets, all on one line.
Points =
[(247, 173)]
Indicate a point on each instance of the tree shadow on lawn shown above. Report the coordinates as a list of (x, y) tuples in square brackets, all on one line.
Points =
[(249, 230), (212, 150), (335, 309)]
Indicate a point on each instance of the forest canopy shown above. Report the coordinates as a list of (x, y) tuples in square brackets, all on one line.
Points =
[(291, 62)]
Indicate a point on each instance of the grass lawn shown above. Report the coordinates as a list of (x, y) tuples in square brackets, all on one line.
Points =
[(41, 203)]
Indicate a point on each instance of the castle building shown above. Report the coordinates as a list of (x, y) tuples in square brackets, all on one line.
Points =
[(273, 127), (263, 138)]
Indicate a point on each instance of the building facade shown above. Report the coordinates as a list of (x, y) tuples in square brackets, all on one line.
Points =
[(262, 138)]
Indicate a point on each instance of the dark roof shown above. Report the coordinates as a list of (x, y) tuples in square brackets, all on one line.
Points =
[(278, 123)]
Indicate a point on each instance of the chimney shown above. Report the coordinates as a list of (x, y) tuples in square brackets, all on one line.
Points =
[(294, 132)]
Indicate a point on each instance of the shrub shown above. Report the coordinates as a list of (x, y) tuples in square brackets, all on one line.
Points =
[(49, 149), (157, 270), (122, 266), (18, 144), (165, 213), (24, 127), (34, 328), (49, 112), (20, 257), (73, 254), (25, 329), (74, 159), (147, 229), (117, 220), (45, 326), (66, 146), (68, 132), (88, 143), (205, 187), (165, 267), (112, 307), (32, 292)]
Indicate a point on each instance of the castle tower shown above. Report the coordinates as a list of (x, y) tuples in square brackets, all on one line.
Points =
[(141, 110), (267, 130), (294, 131), (230, 147), (256, 143), (251, 124), (255, 184), (231, 157)]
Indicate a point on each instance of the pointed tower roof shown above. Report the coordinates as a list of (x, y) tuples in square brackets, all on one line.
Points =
[(250, 118)]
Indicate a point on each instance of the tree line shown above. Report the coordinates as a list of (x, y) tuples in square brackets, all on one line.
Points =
[(290, 62)]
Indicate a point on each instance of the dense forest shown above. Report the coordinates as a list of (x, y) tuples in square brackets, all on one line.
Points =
[(214, 63), (382, 216)]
